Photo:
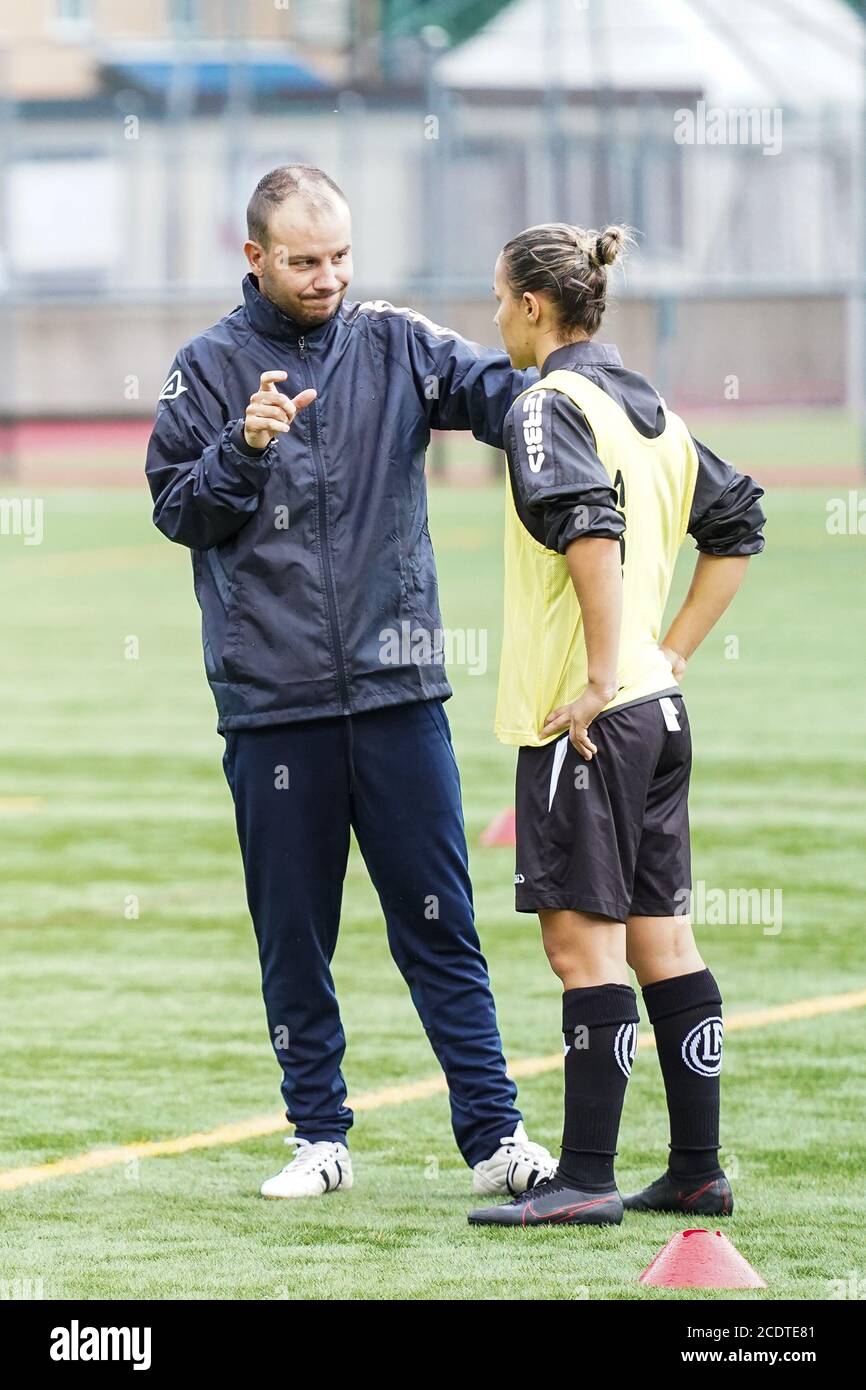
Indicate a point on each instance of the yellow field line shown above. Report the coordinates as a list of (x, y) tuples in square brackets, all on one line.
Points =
[(18, 805), (258, 1126)]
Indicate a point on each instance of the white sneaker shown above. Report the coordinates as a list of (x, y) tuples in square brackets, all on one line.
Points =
[(314, 1170), (515, 1167)]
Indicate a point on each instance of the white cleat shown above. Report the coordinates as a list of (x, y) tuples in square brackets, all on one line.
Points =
[(314, 1170), (515, 1167)]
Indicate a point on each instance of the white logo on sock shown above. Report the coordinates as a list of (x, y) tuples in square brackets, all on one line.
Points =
[(625, 1046), (702, 1047)]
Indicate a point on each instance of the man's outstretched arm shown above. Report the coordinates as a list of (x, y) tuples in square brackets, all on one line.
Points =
[(463, 385)]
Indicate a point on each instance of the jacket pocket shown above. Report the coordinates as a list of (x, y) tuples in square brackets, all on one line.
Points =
[(219, 576), (216, 598), (421, 587)]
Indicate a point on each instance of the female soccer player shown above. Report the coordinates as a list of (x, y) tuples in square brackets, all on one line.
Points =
[(604, 482)]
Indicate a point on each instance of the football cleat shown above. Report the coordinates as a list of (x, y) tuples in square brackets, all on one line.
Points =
[(517, 1165), (708, 1196), (553, 1203), (315, 1170)]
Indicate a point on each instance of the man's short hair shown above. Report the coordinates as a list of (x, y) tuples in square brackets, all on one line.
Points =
[(288, 181)]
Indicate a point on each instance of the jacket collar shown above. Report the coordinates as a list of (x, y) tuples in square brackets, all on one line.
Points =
[(573, 356), (270, 321)]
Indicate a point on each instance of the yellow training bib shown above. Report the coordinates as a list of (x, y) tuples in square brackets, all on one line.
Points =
[(543, 661)]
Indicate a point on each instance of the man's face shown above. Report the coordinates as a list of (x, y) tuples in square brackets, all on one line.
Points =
[(306, 267), (514, 320)]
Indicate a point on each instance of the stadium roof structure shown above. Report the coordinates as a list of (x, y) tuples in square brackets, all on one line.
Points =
[(268, 69), (799, 54)]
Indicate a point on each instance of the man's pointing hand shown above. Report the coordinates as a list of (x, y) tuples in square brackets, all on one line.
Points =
[(269, 412)]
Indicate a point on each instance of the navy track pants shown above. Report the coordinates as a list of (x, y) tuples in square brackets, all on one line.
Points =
[(391, 775)]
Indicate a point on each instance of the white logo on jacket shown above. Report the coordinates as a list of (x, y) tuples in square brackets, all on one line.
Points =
[(532, 430), (173, 387)]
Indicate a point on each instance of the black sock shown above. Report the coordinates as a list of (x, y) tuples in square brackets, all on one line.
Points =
[(599, 1025), (686, 1014)]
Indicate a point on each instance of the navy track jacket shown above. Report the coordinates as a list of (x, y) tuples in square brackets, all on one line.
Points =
[(312, 558)]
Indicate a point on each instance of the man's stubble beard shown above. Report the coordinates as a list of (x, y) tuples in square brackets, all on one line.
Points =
[(293, 309)]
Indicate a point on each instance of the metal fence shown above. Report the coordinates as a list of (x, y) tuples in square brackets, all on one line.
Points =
[(122, 226)]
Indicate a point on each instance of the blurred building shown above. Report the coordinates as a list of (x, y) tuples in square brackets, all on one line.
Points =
[(729, 134), (78, 49)]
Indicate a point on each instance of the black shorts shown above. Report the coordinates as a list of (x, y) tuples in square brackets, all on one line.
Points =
[(608, 836)]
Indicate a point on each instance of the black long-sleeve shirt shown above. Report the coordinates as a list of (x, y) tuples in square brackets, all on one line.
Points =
[(558, 469)]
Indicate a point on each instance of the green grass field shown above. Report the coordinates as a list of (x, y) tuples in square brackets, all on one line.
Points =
[(116, 1029)]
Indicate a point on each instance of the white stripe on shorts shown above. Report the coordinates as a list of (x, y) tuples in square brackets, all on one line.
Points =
[(559, 753)]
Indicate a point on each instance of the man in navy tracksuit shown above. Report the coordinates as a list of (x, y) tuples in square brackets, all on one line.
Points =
[(306, 515)]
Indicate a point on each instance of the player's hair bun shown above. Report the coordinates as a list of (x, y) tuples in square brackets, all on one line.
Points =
[(608, 245)]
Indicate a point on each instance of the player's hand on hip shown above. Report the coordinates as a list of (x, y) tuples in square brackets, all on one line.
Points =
[(270, 412), (577, 717), (678, 663)]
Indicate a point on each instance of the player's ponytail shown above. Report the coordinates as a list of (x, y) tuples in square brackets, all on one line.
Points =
[(569, 264)]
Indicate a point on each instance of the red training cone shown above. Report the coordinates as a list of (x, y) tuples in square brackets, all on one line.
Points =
[(701, 1259), (500, 831)]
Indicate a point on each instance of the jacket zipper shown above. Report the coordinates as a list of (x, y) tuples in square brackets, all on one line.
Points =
[(330, 595)]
